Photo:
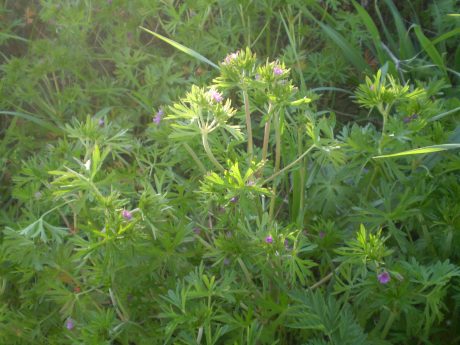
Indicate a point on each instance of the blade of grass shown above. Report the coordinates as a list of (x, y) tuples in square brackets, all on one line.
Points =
[(181, 47), (422, 150), (446, 36), (406, 49), (33, 119), (372, 29), (440, 116), (350, 52), (293, 44), (430, 49)]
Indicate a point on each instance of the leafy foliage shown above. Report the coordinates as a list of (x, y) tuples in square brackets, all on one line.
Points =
[(297, 191)]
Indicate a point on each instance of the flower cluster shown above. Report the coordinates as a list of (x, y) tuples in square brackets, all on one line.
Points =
[(215, 95), (158, 116)]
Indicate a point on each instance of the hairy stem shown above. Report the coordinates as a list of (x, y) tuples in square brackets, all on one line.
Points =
[(277, 161), (302, 178), (195, 158), (289, 166), (389, 323), (266, 134), (248, 123), (385, 112), (211, 156)]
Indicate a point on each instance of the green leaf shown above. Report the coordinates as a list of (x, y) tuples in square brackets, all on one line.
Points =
[(446, 36), (33, 118), (351, 53), (406, 48), (182, 48), (373, 30), (430, 49), (422, 150)]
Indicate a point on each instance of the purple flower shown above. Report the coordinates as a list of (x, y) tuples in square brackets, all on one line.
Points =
[(286, 243), (101, 122), (371, 87), (257, 77), (384, 277), (216, 96), (322, 234), (197, 231), (226, 262), (69, 324), (278, 70), (234, 200), (269, 239), (410, 118), (229, 58), (158, 116), (127, 215)]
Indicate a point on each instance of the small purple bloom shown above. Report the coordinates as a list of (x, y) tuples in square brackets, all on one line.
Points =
[(101, 122), (371, 87), (257, 77), (197, 231), (229, 58), (384, 277), (158, 116), (278, 70), (269, 239), (127, 215), (216, 96), (322, 234), (234, 200), (286, 243), (226, 262), (410, 118), (69, 324)]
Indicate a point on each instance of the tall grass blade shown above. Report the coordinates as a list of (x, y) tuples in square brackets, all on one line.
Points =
[(406, 49), (372, 28), (430, 49), (446, 36), (351, 53), (440, 116), (33, 119), (422, 150), (181, 47)]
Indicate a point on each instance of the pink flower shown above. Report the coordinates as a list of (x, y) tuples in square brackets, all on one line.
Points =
[(127, 215), (216, 96), (384, 277), (229, 58), (158, 116), (69, 324), (269, 239), (278, 70)]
